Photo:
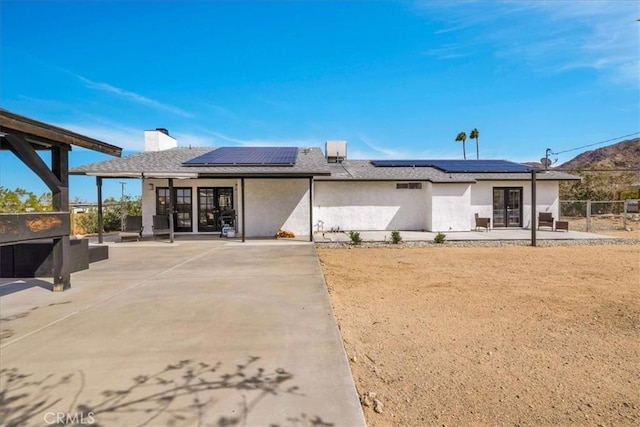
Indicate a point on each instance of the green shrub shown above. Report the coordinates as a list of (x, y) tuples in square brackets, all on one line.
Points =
[(396, 237), (355, 237), (440, 238)]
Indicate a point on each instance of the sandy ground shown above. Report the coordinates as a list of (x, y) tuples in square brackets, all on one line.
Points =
[(493, 335)]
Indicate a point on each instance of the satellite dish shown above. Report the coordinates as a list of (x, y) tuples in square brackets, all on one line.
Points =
[(546, 162)]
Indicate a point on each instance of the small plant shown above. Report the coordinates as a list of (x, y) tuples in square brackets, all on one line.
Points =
[(355, 237), (440, 238), (396, 237), (285, 234)]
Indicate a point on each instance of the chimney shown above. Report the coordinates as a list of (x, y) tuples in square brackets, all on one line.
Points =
[(158, 140), (335, 151)]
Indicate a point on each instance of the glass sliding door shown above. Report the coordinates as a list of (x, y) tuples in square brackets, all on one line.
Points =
[(507, 207)]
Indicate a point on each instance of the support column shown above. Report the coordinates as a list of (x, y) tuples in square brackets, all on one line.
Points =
[(311, 209), (243, 210), (60, 201), (171, 209), (533, 209), (100, 217)]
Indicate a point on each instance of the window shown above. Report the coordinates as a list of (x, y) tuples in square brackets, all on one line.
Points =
[(162, 201), (409, 186)]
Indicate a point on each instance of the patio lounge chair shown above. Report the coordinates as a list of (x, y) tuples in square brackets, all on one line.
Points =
[(545, 219), (161, 225), (483, 222), (132, 228)]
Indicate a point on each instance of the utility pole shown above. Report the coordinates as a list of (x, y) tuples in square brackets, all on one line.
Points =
[(122, 210)]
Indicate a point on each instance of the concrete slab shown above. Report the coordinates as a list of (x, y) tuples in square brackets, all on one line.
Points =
[(195, 333)]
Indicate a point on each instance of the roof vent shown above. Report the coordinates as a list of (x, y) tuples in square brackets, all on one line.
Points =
[(335, 151)]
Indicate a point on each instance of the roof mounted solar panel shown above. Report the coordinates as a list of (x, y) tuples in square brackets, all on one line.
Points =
[(247, 156), (459, 166)]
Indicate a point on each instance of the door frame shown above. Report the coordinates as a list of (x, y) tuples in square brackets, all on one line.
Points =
[(188, 211), (505, 209), (216, 208)]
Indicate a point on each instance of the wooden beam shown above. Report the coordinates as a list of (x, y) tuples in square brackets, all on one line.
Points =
[(61, 253), (25, 152), (18, 227), (11, 123)]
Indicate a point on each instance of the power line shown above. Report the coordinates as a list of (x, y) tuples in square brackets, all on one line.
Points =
[(595, 143)]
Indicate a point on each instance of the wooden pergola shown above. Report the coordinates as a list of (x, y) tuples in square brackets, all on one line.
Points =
[(24, 137)]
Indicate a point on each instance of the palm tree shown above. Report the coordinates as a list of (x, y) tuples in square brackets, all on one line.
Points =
[(462, 137), (475, 134)]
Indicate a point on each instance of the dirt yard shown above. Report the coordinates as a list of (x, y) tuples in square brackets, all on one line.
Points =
[(492, 335)]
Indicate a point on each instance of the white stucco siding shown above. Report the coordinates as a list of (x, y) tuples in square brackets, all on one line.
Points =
[(274, 204), (547, 198), (372, 205), (149, 197), (450, 207)]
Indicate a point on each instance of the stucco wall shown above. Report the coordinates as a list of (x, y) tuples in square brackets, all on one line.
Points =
[(547, 198), (362, 205), (274, 204), (149, 198), (450, 207)]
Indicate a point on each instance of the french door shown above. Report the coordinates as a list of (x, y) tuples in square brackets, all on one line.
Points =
[(211, 202), (507, 207), (182, 220), (182, 207)]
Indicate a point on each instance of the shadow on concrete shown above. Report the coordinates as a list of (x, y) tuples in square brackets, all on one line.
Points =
[(180, 394), (17, 285)]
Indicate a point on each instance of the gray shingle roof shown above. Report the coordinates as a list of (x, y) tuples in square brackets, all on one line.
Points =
[(364, 170), (309, 162)]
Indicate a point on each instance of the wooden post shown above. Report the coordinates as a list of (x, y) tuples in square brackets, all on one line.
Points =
[(60, 201), (243, 210), (100, 217), (171, 209), (311, 209), (533, 208)]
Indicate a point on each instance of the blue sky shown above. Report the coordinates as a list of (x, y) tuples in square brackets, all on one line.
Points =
[(394, 79)]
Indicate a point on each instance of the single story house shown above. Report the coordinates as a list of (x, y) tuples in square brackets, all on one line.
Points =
[(304, 190)]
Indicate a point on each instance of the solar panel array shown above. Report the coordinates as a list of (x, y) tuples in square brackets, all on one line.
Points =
[(458, 166), (247, 156)]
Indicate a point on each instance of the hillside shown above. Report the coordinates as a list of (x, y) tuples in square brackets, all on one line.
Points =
[(623, 155)]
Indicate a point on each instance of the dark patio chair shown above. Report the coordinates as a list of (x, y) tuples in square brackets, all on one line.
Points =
[(483, 222), (132, 228), (545, 219), (161, 225)]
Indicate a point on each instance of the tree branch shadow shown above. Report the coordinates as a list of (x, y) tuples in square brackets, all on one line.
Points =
[(180, 394)]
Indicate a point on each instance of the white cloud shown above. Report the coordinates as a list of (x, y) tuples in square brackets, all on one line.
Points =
[(221, 139), (549, 36), (120, 136), (139, 99)]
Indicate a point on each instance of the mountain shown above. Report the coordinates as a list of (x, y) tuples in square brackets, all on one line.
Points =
[(623, 155)]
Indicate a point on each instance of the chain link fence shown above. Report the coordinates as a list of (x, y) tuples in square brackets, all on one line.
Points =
[(597, 215)]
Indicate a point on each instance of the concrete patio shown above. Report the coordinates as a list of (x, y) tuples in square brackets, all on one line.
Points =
[(199, 332)]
